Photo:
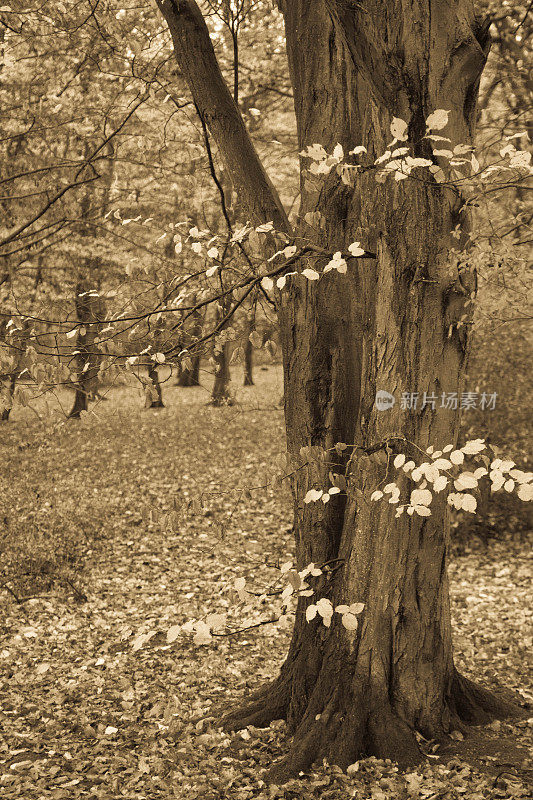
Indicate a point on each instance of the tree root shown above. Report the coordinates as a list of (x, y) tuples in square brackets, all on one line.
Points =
[(342, 738), (342, 727), (269, 703), (475, 705)]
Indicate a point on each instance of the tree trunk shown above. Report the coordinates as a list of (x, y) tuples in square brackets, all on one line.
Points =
[(9, 393), (87, 357), (154, 393), (221, 396), (248, 364), (389, 324), (190, 376)]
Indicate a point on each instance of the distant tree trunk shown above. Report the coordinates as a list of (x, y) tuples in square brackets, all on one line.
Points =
[(190, 376), (11, 385), (248, 356), (20, 340), (87, 356), (154, 393), (248, 364), (220, 396), (390, 323), (89, 305)]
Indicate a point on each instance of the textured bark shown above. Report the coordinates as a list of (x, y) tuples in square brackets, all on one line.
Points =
[(389, 324)]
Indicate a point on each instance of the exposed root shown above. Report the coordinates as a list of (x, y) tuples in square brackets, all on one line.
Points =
[(341, 738), (476, 705), (269, 703)]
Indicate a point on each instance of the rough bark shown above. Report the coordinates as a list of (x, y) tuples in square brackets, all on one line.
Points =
[(389, 324)]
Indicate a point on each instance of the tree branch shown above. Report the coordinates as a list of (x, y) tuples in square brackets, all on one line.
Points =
[(199, 66)]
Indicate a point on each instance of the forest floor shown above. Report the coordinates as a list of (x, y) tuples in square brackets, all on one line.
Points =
[(88, 709)]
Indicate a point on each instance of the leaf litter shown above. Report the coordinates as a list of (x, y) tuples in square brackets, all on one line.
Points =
[(84, 713)]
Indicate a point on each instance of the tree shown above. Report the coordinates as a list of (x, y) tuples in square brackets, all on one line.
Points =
[(397, 323)]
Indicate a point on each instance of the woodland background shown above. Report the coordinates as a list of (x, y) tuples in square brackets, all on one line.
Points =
[(104, 172)]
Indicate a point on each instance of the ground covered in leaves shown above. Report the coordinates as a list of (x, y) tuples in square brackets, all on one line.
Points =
[(93, 525)]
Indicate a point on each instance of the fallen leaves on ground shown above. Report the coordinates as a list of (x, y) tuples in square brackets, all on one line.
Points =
[(85, 714)]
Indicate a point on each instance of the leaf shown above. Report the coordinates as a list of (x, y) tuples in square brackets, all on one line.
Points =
[(173, 633), (72, 333), (203, 634), (311, 612), (438, 120), (196, 247), (398, 128), (212, 252), (110, 731), (399, 461), (440, 483), (160, 358), (324, 607), (422, 511), (457, 457), (138, 642), (265, 228), (338, 152), (311, 274), (473, 447), (289, 251), (525, 492), (377, 495), (356, 250), (216, 622), (211, 271), (314, 151), (466, 480), (313, 495), (469, 503), (350, 622), (443, 153), (267, 284), (239, 584), (280, 283), (358, 150)]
